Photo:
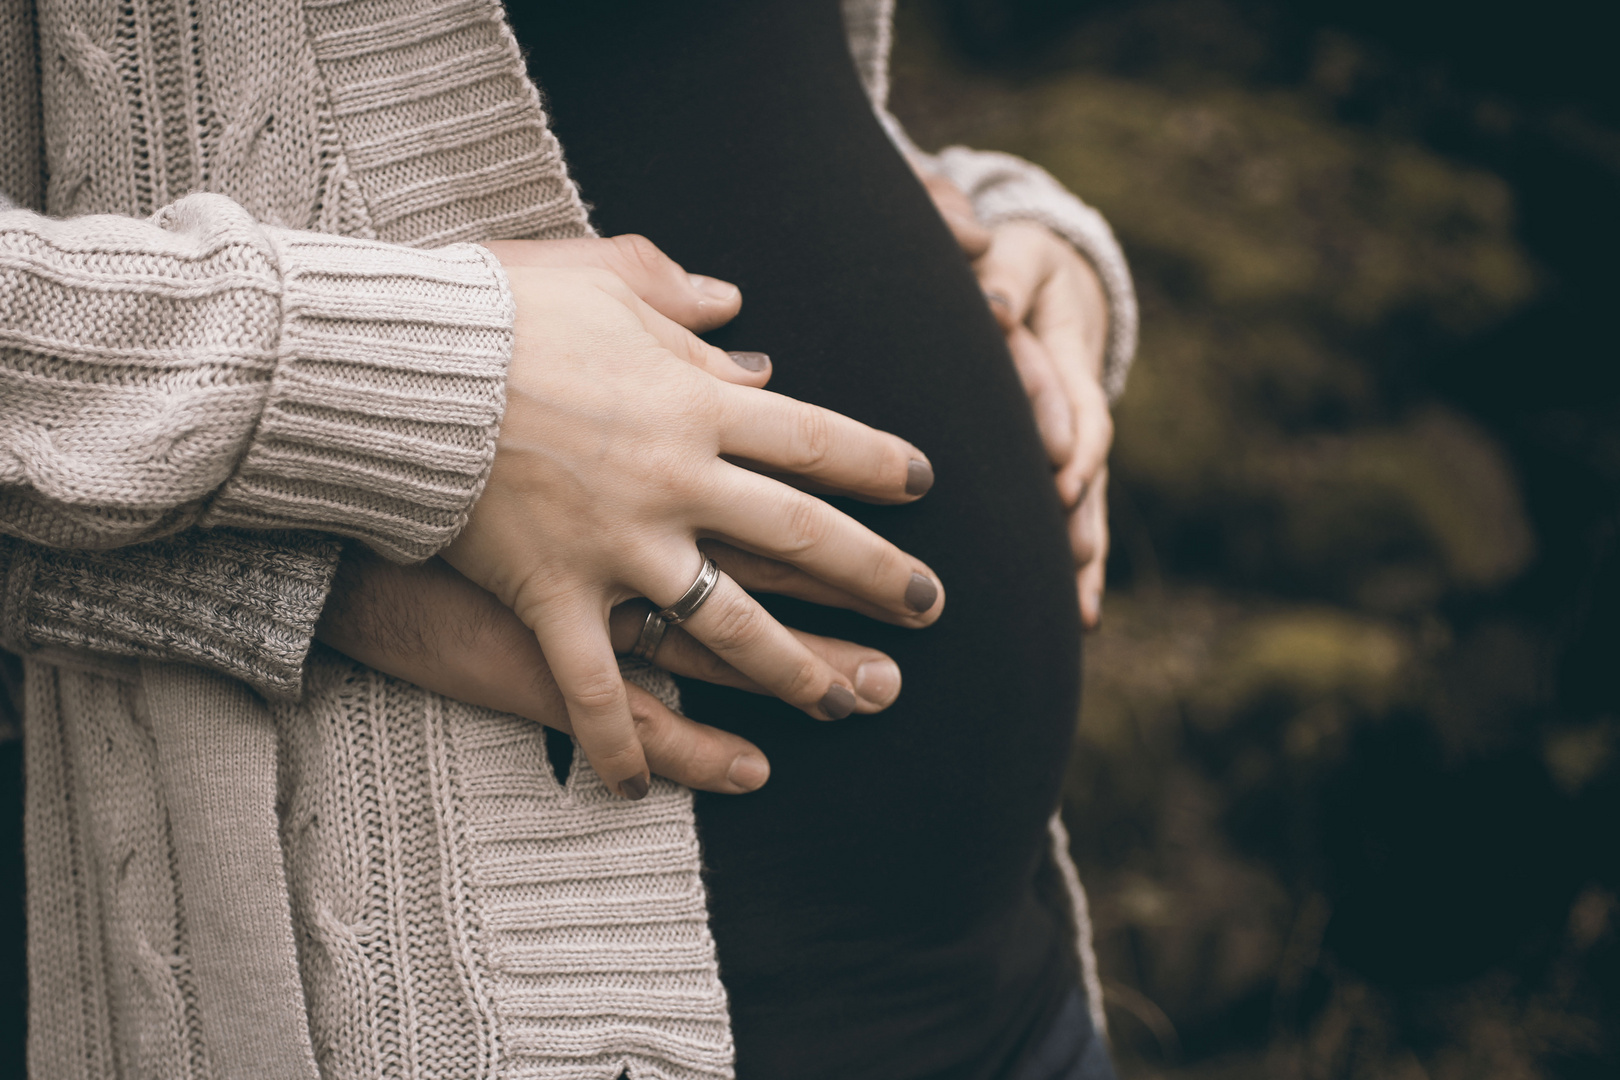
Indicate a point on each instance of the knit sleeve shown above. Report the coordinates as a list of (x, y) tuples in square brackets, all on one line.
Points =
[(199, 368), (243, 604), (22, 151)]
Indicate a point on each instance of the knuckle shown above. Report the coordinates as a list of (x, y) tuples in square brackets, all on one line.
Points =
[(890, 566), (812, 442), (803, 524), (598, 691), (610, 283), (703, 400), (640, 253), (807, 683), (623, 759), (736, 627)]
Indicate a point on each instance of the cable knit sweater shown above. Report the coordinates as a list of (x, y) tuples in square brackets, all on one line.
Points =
[(250, 324)]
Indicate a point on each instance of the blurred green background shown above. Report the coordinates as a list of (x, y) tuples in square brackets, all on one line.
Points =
[(1348, 769)]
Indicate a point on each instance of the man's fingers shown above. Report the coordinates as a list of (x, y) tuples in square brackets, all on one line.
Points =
[(575, 642), (695, 754), (1048, 396), (695, 301), (782, 435)]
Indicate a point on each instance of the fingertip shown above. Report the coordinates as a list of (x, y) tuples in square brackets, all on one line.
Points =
[(717, 302), (877, 683), (635, 788), (919, 477), (755, 363), (721, 292), (838, 702), (749, 771), (921, 592)]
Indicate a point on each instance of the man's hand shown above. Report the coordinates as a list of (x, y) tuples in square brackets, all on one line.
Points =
[(1050, 304), (430, 626)]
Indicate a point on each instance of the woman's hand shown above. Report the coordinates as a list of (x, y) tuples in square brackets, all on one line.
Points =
[(430, 626), (1050, 304), (616, 456)]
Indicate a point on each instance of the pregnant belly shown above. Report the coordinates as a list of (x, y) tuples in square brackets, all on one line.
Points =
[(890, 858)]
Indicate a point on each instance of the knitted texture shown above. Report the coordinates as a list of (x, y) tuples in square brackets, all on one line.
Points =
[(275, 355), (425, 128), (199, 368), (219, 599)]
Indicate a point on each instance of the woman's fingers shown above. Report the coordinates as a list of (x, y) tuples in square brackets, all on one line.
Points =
[(1054, 417), (1088, 537), (1094, 437), (1014, 270), (739, 631), (957, 210), (874, 676), (781, 523), (575, 642), (758, 574), (782, 435), (695, 754)]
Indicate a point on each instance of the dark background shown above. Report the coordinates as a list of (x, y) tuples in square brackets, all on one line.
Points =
[(1348, 772)]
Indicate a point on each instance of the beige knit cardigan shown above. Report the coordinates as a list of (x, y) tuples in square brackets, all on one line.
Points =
[(240, 317)]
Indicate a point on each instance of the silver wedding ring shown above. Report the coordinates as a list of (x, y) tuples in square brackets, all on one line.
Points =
[(694, 597), (651, 636)]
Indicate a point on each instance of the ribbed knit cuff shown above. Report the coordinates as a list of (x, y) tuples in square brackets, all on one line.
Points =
[(244, 605), (390, 380), (1008, 188)]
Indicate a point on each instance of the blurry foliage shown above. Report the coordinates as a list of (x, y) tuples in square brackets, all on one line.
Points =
[(1328, 808)]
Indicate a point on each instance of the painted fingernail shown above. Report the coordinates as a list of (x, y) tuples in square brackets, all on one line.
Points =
[(713, 288), (921, 592), (635, 787), (878, 681), (838, 702), (749, 771), (750, 361), (919, 477)]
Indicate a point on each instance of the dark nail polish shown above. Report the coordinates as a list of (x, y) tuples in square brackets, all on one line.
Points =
[(750, 361), (921, 592), (635, 787), (919, 477), (838, 702)]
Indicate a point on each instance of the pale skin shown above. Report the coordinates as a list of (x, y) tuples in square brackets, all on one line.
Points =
[(1050, 304), (607, 321)]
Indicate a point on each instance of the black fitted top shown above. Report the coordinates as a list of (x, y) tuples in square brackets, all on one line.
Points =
[(882, 908)]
